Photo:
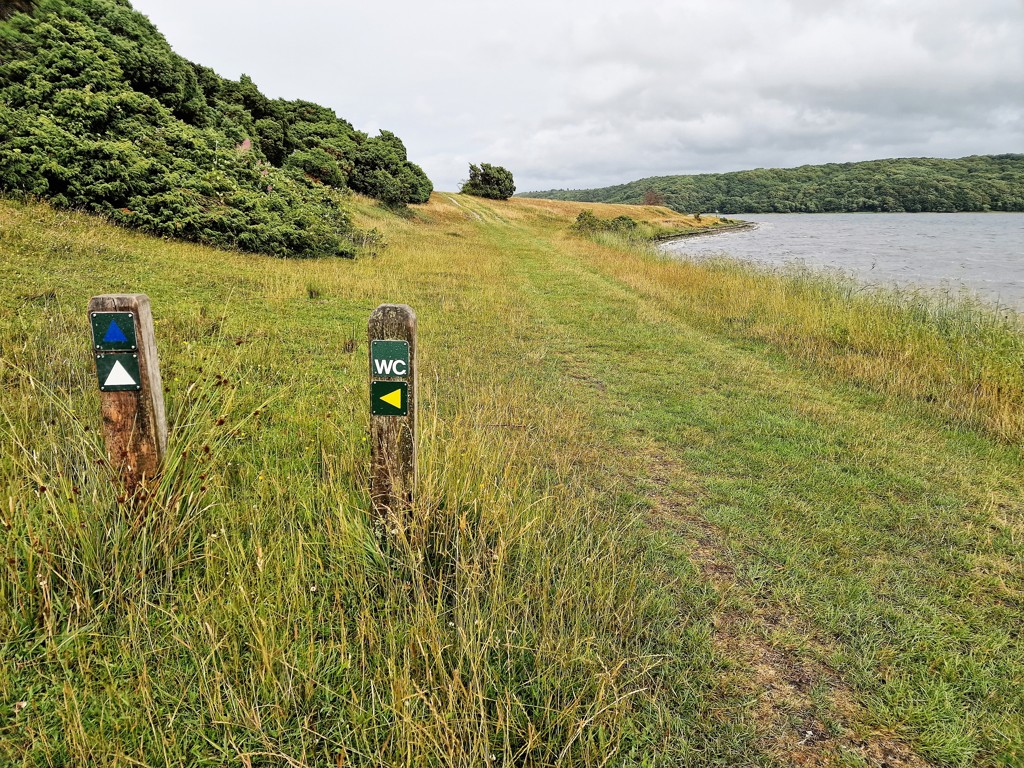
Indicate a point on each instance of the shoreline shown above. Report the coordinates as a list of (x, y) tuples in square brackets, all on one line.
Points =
[(739, 225)]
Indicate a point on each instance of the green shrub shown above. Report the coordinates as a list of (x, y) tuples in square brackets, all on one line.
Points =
[(490, 181), (587, 223), (381, 170), (101, 115), (318, 165)]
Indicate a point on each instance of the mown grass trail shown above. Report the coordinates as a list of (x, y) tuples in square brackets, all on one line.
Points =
[(646, 535), (873, 548)]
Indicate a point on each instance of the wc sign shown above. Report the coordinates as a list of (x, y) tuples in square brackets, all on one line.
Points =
[(389, 358)]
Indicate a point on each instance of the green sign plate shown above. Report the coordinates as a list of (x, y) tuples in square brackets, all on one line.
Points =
[(118, 372), (113, 331), (389, 358), (389, 398)]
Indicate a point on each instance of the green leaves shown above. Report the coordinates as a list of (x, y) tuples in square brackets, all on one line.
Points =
[(103, 116), (981, 183), (490, 181), (382, 171)]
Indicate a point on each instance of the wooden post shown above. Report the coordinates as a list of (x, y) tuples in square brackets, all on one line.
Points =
[(131, 394), (393, 403)]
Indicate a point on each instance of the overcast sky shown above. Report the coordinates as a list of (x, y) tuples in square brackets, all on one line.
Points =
[(583, 93)]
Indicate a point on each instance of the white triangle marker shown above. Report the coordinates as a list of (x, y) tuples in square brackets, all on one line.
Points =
[(119, 377)]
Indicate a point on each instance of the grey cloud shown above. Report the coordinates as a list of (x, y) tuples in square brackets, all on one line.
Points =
[(581, 93)]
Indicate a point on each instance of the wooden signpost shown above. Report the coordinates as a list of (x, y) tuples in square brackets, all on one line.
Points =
[(393, 401), (131, 394)]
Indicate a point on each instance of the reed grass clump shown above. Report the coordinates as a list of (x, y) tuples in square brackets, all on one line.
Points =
[(488, 626), (960, 355)]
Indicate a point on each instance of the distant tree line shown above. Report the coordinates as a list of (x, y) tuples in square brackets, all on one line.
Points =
[(98, 113), (979, 183)]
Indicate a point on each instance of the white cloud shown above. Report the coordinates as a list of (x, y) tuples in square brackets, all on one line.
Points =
[(575, 93)]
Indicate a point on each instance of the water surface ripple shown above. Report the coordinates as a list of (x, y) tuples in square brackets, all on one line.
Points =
[(980, 254)]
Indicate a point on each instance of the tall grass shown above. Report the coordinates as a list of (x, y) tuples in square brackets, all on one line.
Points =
[(959, 355), (246, 612), (483, 631)]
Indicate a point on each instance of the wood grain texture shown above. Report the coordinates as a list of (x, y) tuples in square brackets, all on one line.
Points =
[(134, 423), (393, 438)]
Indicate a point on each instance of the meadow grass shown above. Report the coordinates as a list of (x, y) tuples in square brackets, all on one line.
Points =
[(246, 614), (957, 353), (534, 609), (869, 526)]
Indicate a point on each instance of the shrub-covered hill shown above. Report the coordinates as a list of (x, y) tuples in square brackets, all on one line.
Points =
[(980, 183), (98, 113)]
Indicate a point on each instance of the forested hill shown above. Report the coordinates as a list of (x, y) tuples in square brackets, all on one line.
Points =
[(979, 183), (98, 113)]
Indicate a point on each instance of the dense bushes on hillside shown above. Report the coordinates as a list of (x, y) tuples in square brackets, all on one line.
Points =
[(98, 113), (587, 223), (981, 183)]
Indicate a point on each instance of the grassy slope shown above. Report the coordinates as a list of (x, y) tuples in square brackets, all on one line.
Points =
[(670, 514)]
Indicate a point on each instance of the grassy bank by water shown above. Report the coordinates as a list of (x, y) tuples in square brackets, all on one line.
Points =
[(670, 514)]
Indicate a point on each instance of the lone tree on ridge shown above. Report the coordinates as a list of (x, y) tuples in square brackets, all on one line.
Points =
[(491, 181)]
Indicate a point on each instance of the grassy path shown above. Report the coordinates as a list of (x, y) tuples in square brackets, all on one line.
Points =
[(864, 541), (640, 538)]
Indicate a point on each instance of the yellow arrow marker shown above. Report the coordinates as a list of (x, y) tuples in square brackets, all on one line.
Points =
[(393, 398)]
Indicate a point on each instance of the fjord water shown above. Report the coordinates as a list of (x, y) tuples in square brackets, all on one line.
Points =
[(980, 254)]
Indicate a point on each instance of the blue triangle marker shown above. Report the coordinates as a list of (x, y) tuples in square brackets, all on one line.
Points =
[(114, 334)]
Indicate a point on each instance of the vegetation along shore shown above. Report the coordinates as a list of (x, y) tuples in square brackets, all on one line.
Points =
[(726, 225)]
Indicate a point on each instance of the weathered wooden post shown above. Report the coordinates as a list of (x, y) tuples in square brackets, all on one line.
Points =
[(393, 402), (131, 394)]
